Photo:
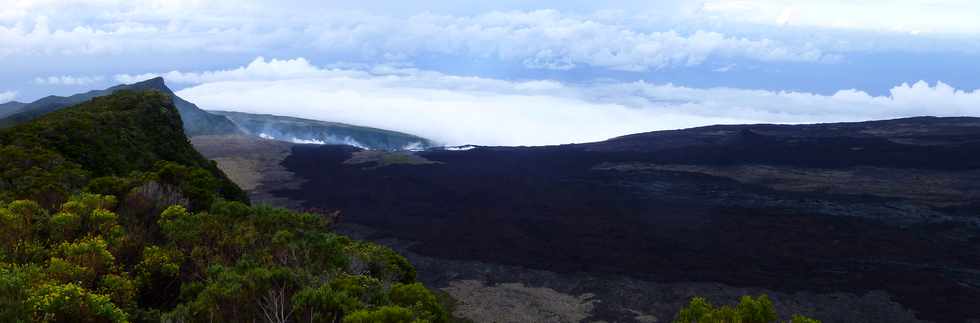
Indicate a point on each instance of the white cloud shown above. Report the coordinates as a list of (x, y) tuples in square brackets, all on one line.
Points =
[(68, 80), (909, 16), (724, 69), (36, 37), (905, 100), (449, 116), (542, 39), (258, 69), (633, 37), (7, 96), (550, 39), (471, 110)]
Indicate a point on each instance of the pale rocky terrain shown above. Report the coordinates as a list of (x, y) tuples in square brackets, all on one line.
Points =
[(252, 163)]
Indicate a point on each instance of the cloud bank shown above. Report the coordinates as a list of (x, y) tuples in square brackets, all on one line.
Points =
[(910, 16), (258, 69), (7, 96), (698, 43), (68, 80), (542, 39), (458, 110), (551, 40)]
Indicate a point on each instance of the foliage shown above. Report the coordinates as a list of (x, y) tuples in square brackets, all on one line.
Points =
[(54, 156), (417, 297), (72, 303), (803, 319), (385, 314), (37, 174), (231, 263), (108, 215), (748, 310)]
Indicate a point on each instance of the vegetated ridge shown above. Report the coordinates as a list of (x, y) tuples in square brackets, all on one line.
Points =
[(195, 121), (107, 214)]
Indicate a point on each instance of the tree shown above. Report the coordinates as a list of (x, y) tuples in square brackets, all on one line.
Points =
[(72, 303), (323, 304), (15, 287), (421, 300)]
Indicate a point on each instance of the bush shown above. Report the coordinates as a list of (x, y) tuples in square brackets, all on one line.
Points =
[(72, 303), (749, 310), (385, 314)]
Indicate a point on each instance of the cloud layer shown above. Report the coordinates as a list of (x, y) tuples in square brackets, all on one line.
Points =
[(691, 42), (542, 39), (471, 110), (557, 71), (548, 39), (68, 80), (258, 69), (911, 16), (7, 96)]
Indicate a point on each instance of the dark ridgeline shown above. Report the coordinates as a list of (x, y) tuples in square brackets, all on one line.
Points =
[(196, 121), (9, 108), (731, 204)]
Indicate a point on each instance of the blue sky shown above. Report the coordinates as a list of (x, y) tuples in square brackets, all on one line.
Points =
[(512, 72)]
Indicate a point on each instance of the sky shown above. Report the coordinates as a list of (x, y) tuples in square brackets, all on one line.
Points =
[(511, 72)]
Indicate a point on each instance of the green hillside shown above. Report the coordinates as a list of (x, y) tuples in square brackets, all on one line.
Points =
[(113, 135), (107, 214)]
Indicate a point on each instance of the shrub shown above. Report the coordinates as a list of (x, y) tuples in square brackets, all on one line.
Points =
[(749, 310)]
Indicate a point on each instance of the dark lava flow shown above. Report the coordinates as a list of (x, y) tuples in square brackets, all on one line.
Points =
[(548, 208)]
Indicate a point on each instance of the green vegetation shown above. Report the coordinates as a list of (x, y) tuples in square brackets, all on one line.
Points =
[(232, 263), (47, 159), (749, 310), (107, 214)]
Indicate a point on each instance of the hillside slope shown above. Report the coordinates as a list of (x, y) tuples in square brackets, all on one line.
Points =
[(9, 108), (917, 131), (111, 135), (298, 130)]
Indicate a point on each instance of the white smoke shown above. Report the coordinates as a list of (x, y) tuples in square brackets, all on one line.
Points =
[(415, 146), (329, 140), (307, 141)]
